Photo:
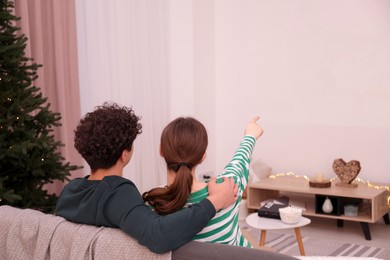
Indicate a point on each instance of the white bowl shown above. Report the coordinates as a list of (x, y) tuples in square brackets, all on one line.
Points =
[(290, 215)]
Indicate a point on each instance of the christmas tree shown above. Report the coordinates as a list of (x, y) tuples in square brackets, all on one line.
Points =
[(29, 156)]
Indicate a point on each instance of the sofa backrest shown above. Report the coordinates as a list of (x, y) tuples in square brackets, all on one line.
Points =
[(31, 234)]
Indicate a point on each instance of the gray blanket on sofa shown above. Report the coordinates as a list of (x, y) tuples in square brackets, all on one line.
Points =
[(31, 234)]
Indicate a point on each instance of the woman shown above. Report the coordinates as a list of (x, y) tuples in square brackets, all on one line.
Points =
[(183, 146)]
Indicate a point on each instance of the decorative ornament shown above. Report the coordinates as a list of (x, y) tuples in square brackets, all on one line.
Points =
[(346, 172), (320, 181), (327, 207), (323, 184), (274, 176)]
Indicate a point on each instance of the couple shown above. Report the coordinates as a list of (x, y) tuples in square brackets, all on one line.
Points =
[(184, 210)]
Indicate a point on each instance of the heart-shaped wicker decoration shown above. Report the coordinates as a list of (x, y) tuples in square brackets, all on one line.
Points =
[(346, 172)]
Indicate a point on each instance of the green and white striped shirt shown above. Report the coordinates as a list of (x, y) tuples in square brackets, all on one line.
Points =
[(224, 228)]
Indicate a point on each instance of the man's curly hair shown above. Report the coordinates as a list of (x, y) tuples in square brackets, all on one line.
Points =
[(103, 134)]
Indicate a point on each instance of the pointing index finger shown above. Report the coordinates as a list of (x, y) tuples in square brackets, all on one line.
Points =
[(254, 119)]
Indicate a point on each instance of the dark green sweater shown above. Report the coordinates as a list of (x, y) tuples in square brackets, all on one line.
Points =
[(116, 202)]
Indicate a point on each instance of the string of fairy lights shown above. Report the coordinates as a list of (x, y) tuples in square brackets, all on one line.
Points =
[(359, 180)]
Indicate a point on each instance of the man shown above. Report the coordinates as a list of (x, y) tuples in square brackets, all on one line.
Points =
[(104, 138)]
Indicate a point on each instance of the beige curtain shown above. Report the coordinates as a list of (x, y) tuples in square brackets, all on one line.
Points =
[(51, 30)]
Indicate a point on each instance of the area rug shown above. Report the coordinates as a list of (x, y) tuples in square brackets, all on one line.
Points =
[(287, 244)]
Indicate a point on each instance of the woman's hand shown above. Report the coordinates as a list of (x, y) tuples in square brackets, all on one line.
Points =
[(253, 129)]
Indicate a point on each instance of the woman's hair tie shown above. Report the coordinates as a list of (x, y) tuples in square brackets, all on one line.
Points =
[(180, 164)]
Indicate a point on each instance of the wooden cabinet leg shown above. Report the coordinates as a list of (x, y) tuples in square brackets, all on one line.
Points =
[(299, 240), (386, 219), (262, 237), (366, 230)]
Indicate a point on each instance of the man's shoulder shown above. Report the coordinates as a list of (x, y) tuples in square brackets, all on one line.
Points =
[(110, 182), (117, 180)]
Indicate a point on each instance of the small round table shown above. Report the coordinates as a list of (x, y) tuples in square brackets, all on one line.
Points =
[(264, 224)]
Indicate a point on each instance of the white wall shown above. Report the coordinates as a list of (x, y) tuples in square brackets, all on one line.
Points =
[(318, 73), (192, 68)]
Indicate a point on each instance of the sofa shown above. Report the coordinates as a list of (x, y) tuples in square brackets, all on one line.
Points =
[(31, 234)]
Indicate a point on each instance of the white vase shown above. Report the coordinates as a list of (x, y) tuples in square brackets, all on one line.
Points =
[(327, 207)]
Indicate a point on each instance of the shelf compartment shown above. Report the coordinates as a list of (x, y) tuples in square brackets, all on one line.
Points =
[(336, 203)]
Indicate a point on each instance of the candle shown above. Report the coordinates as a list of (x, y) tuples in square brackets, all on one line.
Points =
[(319, 177)]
